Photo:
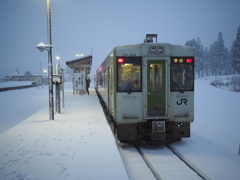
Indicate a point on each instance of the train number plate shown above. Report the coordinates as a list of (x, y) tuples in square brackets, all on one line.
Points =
[(158, 126)]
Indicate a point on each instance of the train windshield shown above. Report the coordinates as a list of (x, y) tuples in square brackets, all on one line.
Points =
[(129, 74), (182, 74)]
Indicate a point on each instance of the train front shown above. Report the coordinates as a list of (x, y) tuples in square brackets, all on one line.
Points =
[(154, 100)]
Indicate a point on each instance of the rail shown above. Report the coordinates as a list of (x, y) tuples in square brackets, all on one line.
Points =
[(190, 165)]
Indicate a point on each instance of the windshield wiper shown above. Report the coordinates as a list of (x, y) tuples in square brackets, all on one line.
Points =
[(175, 84)]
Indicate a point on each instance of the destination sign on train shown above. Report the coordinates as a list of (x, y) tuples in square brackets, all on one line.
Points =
[(155, 50)]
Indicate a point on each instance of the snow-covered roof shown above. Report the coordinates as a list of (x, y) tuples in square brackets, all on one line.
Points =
[(80, 62)]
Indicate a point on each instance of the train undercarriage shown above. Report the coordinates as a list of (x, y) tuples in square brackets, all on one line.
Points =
[(147, 133)]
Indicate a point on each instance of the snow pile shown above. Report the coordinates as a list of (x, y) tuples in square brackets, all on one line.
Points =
[(231, 83)]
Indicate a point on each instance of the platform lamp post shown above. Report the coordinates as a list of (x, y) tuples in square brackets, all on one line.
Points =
[(49, 47)]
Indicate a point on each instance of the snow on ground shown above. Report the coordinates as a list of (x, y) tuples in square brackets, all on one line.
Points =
[(168, 165), (215, 133), (15, 83), (17, 105), (78, 144), (63, 149)]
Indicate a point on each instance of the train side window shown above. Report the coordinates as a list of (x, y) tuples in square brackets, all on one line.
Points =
[(102, 79), (129, 75), (182, 74)]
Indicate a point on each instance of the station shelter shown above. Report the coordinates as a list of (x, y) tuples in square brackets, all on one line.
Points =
[(81, 68)]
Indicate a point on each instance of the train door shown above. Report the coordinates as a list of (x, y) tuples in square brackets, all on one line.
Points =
[(156, 89)]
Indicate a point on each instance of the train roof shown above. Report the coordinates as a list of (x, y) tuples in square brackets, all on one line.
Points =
[(163, 49)]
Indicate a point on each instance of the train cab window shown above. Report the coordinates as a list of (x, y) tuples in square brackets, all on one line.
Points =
[(129, 74), (182, 74)]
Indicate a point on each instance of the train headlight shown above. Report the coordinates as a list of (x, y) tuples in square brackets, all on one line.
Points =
[(181, 60), (189, 61), (120, 60)]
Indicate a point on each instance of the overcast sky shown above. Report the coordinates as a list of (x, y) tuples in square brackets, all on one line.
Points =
[(79, 25)]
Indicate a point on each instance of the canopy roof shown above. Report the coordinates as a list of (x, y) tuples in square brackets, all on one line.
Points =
[(80, 63)]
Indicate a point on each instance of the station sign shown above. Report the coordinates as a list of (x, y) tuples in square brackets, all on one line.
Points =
[(57, 79)]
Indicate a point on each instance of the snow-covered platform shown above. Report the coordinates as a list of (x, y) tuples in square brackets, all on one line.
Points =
[(78, 144)]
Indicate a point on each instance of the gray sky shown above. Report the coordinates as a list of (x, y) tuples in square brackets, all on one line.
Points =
[(79, 25)]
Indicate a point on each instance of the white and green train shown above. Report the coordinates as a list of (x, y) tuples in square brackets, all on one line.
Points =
[(148, 91)]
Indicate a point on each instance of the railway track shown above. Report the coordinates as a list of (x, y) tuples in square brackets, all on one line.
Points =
[(155, 173), (189, 164), (161, 163)]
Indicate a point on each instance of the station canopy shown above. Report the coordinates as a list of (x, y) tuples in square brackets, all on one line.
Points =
[(78, 64)]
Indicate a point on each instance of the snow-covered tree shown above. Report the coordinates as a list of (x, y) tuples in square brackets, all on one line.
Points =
[(212, 58), (207, 63), (235, 52), (218, 56), (228, 68), (216, 60)]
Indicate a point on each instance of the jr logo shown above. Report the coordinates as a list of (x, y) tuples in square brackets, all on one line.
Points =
[(182, 101)]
